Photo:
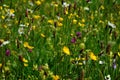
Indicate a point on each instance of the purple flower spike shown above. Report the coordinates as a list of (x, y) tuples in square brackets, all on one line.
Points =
[(73, 40), (78, 34), (7, 52)]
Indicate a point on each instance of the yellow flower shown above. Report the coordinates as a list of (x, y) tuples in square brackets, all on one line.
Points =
[(119, 54), (59, 24), (27, 45), (51, 21), (74, 21), (66, 50), (36, 16), (25, 60), (12, 11), (3, 17), (81, 24), (1, 7), (0, 65), (56, 77), (60, 19), (38, 2), (92, 56), (25, 64), (42, 35)]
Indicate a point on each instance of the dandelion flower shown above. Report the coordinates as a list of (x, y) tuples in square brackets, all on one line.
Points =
[(66, 50)]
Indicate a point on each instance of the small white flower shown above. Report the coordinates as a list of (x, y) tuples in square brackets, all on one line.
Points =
[(86, 8), (107, 77), (111, 24), (65, 4), (101, 62), (5, 43), (21, 30)]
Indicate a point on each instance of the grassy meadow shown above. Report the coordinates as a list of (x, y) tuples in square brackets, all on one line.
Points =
[(59, 40)]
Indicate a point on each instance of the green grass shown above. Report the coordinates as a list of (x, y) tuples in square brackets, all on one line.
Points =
[(43, 57)]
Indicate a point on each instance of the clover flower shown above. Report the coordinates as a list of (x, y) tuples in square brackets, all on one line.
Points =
[(7, 52), (73, 40)]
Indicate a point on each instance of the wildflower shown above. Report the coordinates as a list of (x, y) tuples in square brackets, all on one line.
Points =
[(86, 8), (92, 56), (73, 40), (119, 54), (81, 24), (12, 11), (60, 19), (7, 52), (56, 77), (51, 21), (107, 77), (21, 30), (65, 4), (101, 62), (78, 34), (3, 17), (59, 24), (0, 65), (42, 35), (25, 64), (111, 25), (66, 50), (36, 16), (27, 45), (38, 2), (5, 43), (74, 21), (24, 60)]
